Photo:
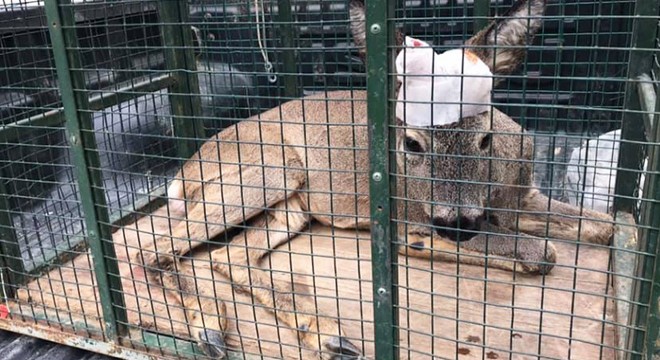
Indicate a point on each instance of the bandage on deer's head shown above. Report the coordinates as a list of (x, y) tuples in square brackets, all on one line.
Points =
[(460, 162)]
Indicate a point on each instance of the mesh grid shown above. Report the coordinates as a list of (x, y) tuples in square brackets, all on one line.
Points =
[(259, 244)]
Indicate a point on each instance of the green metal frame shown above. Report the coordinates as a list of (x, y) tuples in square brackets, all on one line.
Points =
[(79, 126), (288, 53), (180, 61), (643, 334), (182, 82), (481, 14), (12, 259), (75, 113), (632, 132), (643, 337), (380, 62)]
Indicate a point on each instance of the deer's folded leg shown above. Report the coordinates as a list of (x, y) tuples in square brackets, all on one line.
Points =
[(499, 249), (208, 322), (239, 260), (205, 314), (543, 217), (241, 195)]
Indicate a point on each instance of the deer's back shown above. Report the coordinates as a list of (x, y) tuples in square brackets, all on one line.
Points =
[(322, 136), (329, 135)]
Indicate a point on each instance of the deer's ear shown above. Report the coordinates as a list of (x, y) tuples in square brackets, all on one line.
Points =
[(358, 19), (501, 44), (417, 58), (410, 42)]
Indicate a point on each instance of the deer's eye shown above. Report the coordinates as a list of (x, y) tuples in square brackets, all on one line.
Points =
[(412, 145), (484, 144)]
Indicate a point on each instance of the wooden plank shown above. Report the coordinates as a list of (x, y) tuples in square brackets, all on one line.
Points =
[(442, 313)]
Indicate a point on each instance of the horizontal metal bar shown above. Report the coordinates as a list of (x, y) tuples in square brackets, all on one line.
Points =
[(71, 339), (100, 101), (125, 214), (114, 97), (77, 243), (185, 347)]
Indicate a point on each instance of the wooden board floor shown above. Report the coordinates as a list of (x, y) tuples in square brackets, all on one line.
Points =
[(446, 310)]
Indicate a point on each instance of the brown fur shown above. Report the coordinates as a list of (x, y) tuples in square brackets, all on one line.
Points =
[(308, 160)]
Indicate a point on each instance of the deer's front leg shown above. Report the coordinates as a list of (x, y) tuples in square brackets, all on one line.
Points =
[(239, 262), (205, 314), (501, 249), (557, 220)]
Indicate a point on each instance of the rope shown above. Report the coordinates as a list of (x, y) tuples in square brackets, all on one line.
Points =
[(268, 66)]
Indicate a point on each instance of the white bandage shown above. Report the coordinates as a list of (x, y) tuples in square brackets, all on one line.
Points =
[(431, 92)]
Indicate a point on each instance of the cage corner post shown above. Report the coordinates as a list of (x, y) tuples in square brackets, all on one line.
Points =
[(180, 61), (80, 135), (288, 52), (634, 135), (11, 260), (645, 337), (481, 15), (379, 32), (632, 131)]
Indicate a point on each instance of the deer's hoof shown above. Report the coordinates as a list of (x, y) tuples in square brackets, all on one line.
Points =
[(541, 263), (538, 269), (212, 342), (340, 348)]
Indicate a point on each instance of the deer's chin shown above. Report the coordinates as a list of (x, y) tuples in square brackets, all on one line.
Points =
[(455, 232)]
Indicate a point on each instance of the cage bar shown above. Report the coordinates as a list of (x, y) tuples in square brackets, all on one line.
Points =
[(98, 102), (12, 261), (632, 130), (593, 69), (379, 32), (288, 52), (646, 290), (481, 13), (81, 139), (180, 60)]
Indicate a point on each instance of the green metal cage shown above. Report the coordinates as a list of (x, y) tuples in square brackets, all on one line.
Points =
[(102, 102)]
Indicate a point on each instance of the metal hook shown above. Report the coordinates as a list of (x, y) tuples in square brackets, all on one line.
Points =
[(272, 77)]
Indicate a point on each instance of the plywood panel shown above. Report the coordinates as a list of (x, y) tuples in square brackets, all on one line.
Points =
[(446, 310)]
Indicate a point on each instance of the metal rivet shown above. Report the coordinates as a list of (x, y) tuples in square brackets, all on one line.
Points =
[(375, 28), (377, 176), (382, 291)]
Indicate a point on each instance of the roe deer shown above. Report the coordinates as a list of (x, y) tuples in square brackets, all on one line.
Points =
[(307, 160)]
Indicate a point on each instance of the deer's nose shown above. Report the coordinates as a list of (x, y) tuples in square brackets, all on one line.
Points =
[(461, 228)]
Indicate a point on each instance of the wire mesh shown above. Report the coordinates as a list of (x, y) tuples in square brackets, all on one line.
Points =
[(42, 221), (259, 245)]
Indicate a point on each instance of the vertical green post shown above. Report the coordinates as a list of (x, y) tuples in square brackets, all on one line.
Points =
[(631, 151), (80, 133), (631, 154), (380, 62), (180, 60), (10, 251), (653, 334), (646, 290), (481, 13), (289, 61)]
